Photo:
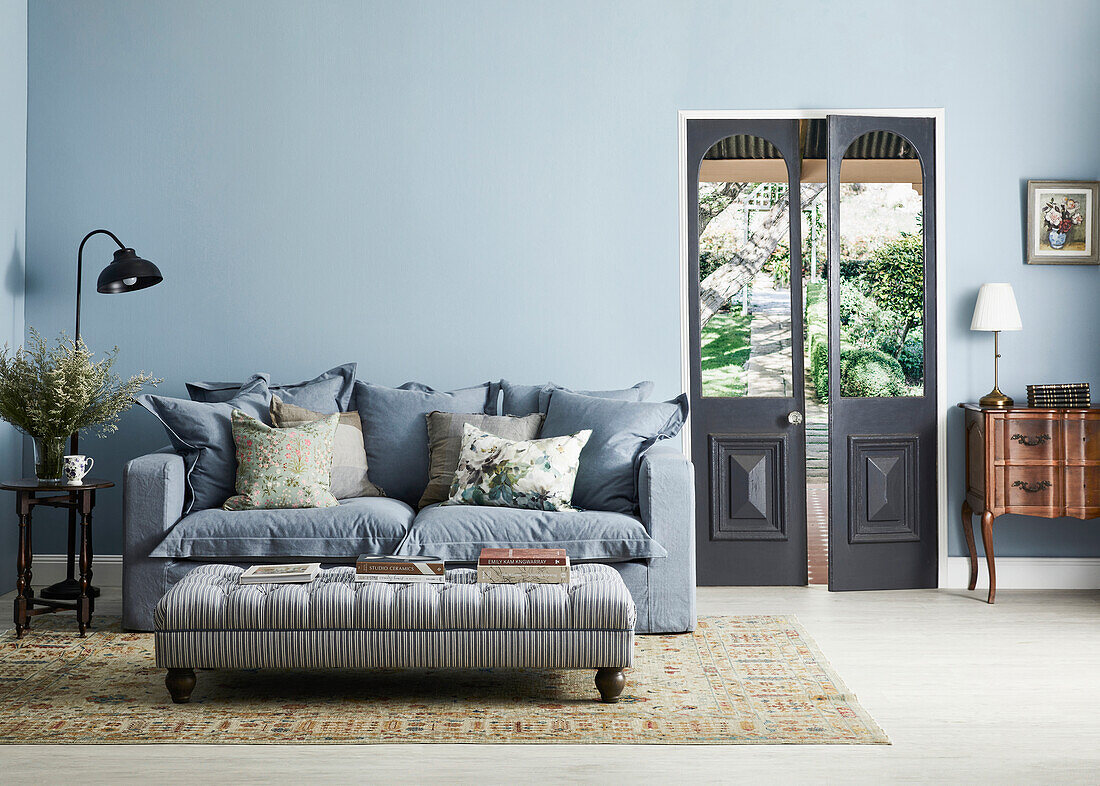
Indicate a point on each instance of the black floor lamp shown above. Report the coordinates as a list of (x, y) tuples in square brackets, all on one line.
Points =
[(127, 272)]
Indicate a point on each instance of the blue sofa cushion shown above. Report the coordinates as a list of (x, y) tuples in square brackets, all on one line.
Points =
[(202, 434), (328, 393), (361, 525), (395, 431), (622, 431), (521, 400), (458, 533)]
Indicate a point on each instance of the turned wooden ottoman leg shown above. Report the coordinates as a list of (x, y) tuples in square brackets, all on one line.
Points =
[(610, 683), (180, 683)]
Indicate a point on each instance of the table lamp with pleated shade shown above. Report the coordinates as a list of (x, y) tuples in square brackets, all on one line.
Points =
[(996, 311)]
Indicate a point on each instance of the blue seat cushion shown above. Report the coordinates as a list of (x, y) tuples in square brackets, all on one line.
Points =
[(361, 525), (458, 533)]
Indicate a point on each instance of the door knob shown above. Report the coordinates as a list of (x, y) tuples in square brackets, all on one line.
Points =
[(794, 418)]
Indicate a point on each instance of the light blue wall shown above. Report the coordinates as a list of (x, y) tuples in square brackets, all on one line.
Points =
[(454, 192), (13, 208)]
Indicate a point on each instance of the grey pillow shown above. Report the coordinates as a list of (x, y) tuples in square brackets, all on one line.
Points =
[(445, 443), (394, 434), (330, 392), (520, 400), (622, 431), (349, 458), (202, 434)]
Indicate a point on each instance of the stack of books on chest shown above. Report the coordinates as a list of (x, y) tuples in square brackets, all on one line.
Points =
[(518, 566), (1071, 396), (403, 570)]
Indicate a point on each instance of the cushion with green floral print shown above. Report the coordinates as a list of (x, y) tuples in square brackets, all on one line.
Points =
[(282, 467), (538, 473)]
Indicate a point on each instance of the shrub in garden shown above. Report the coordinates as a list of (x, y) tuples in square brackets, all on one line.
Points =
[(870, 373), (819, 366), (896, 276), (911, 359), (863, 323), (779, 265), (817, 337)]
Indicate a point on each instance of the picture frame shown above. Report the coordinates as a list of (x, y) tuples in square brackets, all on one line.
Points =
[(1063, 222)]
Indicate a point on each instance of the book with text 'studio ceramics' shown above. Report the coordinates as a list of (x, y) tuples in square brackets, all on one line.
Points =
[(526, 557), (398, 566)]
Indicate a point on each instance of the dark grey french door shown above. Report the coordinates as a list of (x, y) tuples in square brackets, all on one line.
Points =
[(746, 337), (882, 426)]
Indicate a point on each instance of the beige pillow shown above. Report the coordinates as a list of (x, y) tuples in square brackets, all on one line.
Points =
[(445, 443), (349, 458)]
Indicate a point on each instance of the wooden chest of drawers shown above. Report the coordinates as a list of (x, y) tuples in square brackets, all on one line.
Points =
[(1037, 462)]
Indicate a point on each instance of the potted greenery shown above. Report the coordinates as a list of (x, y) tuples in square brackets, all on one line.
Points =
[(52, 393)]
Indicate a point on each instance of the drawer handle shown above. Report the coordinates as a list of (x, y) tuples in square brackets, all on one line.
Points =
[(1032, 488), (1031, 442)]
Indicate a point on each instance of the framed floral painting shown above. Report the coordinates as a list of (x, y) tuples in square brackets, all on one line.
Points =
[(1062, 222)]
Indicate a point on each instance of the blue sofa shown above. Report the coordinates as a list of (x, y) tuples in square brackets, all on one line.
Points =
[(654, 550)]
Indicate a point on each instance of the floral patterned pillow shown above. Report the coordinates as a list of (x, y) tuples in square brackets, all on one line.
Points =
[(282, 467), (538, 474)]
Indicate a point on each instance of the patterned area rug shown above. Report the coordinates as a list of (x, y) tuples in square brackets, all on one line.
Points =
[(734, 680)]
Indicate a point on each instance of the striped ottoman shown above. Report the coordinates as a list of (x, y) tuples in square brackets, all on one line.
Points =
[(210, 620)]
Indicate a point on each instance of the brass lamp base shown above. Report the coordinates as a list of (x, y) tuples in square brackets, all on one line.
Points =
[(995, 398)]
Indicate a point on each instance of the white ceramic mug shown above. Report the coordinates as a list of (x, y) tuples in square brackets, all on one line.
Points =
[(75, 468)]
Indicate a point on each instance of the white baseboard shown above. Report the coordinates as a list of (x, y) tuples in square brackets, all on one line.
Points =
[(50, 568), (1029, 572)]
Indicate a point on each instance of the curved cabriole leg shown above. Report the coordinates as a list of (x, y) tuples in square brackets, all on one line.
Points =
[(972, 550), (610, 683), (987, 542), (180, 683)]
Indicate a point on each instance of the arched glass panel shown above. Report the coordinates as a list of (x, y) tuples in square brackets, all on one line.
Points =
[(744, 270), (881, 269)]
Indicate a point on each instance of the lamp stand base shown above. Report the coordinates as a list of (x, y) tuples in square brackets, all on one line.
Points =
[(995, 398)]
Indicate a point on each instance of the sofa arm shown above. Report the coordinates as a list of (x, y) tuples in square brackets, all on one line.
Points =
[(666, 495), (152, 502)]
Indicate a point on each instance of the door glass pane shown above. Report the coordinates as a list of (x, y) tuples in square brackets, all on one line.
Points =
[(744, 270), (881, 269)]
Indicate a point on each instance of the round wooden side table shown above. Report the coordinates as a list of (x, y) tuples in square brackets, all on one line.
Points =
[(78, 498)]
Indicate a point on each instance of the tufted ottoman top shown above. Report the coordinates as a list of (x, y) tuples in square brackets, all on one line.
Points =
[(211, 597)]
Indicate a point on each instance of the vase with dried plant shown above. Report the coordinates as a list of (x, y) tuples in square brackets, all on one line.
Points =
[(51, 392)]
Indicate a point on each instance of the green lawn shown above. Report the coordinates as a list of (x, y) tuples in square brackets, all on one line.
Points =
[(725, 351)]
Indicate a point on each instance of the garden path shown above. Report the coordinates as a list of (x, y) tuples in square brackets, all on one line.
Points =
[(768, 369)]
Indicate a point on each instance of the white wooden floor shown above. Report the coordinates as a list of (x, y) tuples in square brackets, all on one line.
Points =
[(968, 693)]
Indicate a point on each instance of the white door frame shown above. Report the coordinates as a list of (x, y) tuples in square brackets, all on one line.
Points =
[(941, 278)]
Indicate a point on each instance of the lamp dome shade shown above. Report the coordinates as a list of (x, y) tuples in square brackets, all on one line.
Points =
[(996, 309), (127, 272)]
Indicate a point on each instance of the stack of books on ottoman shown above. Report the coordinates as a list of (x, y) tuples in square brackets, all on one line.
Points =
[(403, 570), (519, 566)]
